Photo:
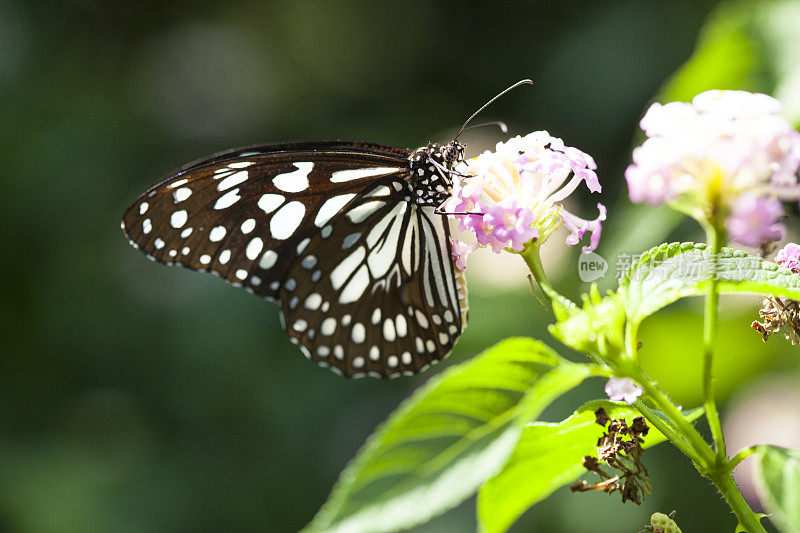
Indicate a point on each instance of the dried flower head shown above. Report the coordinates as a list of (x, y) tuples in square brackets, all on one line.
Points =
[(778, 313), (513, 196), (620, 447)]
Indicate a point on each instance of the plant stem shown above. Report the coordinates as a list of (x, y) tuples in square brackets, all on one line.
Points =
[(686, 438), (743, 454), (534, 262), (714, 236), (661, 425), (681, 432), (703, 455), (733, 496)]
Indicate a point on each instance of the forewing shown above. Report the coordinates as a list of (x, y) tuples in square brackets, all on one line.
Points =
[(247, 214), (377, 294)]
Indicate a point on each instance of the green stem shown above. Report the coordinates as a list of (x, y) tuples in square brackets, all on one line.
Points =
[(744, 454), (534, 262), (714, 236), (703, 455), (733, 496), (661, 425), (686, 438)]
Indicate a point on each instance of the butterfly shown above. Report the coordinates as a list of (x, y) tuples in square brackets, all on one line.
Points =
[(345, 235)]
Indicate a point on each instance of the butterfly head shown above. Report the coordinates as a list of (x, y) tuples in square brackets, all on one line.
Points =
[(432, 171)]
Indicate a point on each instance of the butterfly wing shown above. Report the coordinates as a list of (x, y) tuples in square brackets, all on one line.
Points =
[(246, 214), (365, 275), (378, 294)]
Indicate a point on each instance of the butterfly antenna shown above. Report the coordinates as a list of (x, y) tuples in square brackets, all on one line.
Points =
[(500, 124), (487, 104)]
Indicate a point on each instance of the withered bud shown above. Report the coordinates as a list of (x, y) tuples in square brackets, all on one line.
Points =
[(640, 426), (601, 417), (590, 463)]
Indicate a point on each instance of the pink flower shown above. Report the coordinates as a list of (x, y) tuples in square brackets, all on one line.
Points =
[(789, 257), (623, 390), (460, 251), (754, 219), (513, 195), (704, 155)]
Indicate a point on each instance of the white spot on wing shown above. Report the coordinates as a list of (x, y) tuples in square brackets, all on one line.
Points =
[(254, 248), (227, 199), (358, 173), (268, 260), (177, 183), (313, 301), (178, 218), (331, 207), (248, 225), (143, 208), (294, 181), (182, 194), (402, 327), (302, 246), (383, 190), (359, 333), (217, 234), (381, 257), (358, 214), (328, 326), (224, 257), (270, 202), (355, 288), (343, 270), (350, 240), (388, 330), (287, 220), (233, 180)]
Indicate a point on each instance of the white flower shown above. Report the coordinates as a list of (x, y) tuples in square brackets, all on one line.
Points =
[(701, 156), (623, 389)]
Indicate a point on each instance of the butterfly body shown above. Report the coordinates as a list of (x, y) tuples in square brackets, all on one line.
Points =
[(345, 235)]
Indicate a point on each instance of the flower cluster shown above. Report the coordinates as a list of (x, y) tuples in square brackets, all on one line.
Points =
[(513, 196), (789, 257), (729, 154)]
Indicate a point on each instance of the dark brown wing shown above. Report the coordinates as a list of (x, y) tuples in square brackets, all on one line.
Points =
[(247, 214)]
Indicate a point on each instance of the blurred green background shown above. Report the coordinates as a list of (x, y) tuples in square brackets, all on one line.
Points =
[(138, 398)]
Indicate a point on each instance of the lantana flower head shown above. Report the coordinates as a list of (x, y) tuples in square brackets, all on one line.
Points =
[(514, 195), (789, 257), (702, 157)]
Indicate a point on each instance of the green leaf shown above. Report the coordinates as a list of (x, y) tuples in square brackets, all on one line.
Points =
[(598, 328), (547, 457), (778, 476), (447, 439), (669, 272)]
